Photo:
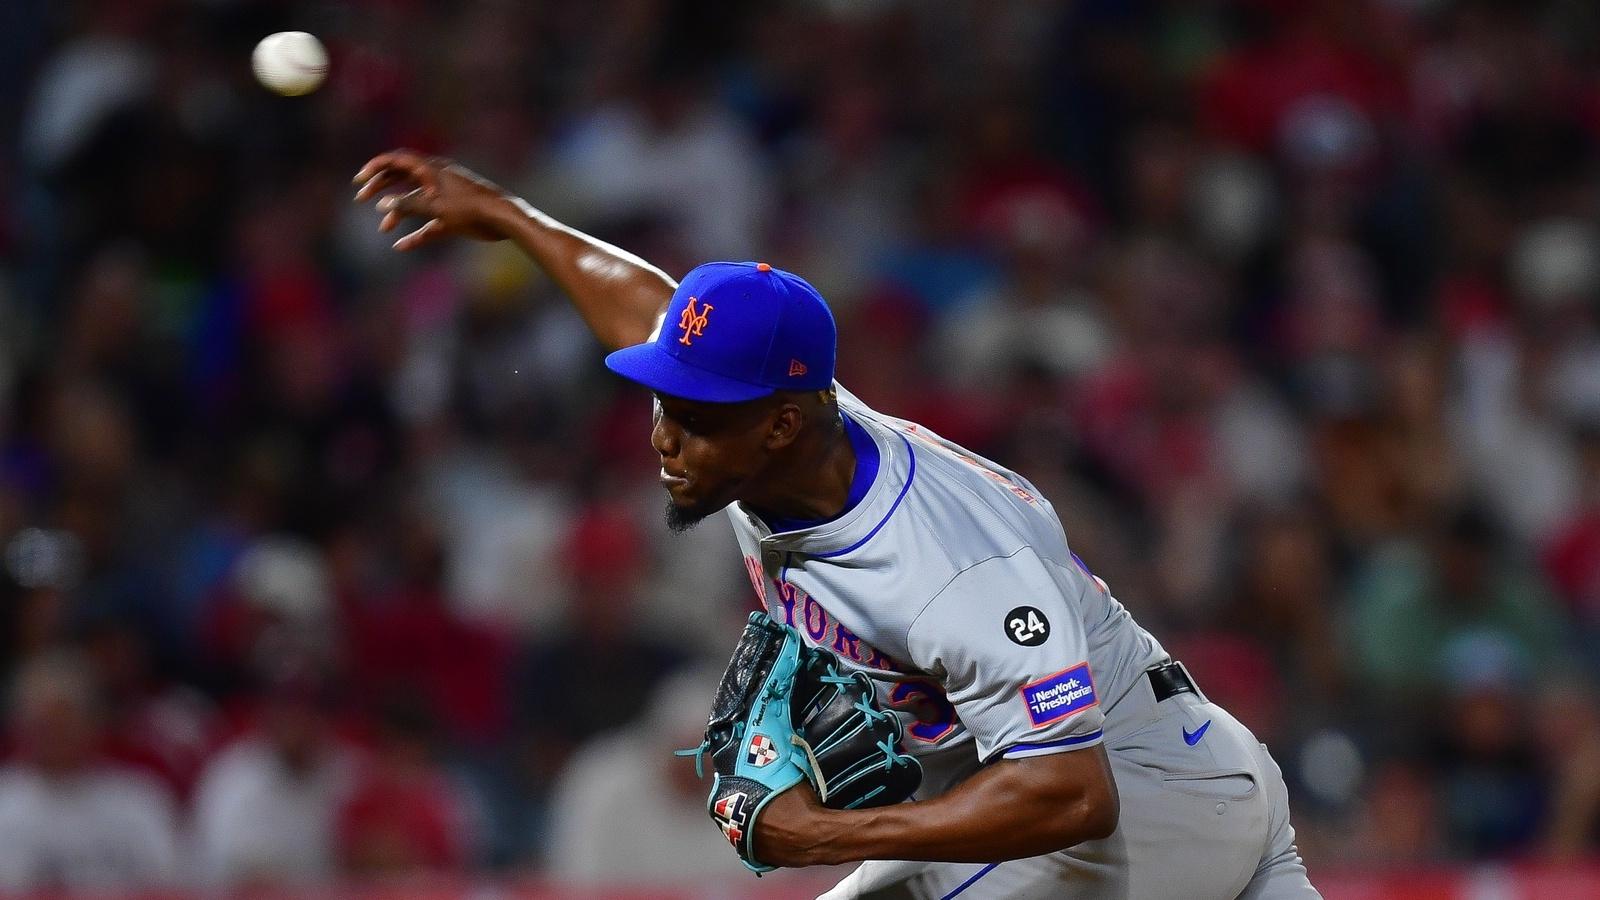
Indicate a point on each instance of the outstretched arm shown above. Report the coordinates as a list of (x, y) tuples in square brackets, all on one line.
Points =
[(1009, 810), (618, 294)]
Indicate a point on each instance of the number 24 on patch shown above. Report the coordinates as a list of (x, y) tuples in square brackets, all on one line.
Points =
[(1027, 626)]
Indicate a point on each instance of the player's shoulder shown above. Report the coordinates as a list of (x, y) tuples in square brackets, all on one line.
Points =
[(978, 508), (850, 402)]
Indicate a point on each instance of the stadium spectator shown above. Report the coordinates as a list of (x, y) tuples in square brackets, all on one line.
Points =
[(625, 811), (1566, 721), (404, 814), (69, 819), (1416, 603), (1493, 794), (266, 806), (153, 722)]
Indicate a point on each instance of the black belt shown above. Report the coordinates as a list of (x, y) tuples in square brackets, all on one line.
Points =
[(1170, 680)]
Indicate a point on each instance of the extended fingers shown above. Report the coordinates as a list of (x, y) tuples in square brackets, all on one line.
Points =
[(398, 168), (417, 202), (399, 207), (429, 232), (394, 159), (375, 184), (386, 168)]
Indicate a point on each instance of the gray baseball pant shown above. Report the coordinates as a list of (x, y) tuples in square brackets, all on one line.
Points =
[(1201, 821)]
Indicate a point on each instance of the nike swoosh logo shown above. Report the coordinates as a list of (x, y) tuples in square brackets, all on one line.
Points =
[(1193, 737)]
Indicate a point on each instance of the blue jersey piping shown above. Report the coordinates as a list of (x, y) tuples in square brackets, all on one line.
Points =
[(1064, 742), (910, 475), (970, 881)]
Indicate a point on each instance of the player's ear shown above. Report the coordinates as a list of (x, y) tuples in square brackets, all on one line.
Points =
[(784, 427)]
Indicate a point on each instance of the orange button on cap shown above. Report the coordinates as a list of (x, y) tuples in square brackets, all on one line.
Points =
[(763, 267)]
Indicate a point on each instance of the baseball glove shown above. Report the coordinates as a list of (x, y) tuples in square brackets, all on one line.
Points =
[(785, 711)]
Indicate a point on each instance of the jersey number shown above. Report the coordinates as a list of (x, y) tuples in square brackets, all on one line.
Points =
[(936, 716)]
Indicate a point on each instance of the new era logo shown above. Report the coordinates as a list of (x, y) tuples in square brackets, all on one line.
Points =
[(796, 368)]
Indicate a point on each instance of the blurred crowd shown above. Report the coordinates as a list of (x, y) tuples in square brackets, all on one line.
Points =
[(323, 562)]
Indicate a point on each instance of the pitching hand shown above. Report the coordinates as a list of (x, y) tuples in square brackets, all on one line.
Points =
[(452, 199)]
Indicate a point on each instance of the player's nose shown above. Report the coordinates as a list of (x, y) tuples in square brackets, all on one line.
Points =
[(663, 438)]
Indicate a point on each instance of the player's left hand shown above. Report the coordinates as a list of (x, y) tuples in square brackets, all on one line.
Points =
[(789, 832), (792, 740)]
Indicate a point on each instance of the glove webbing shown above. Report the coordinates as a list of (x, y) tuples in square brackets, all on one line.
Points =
[(863, 767)]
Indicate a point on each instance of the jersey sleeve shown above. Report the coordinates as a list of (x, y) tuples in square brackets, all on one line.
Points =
[(1007, 641)]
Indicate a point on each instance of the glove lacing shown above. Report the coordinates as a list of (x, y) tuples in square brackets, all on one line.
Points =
[(699, 754), (891, 757)]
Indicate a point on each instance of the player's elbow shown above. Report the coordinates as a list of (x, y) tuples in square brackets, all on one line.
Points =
[(1097, 813), (1056, 801), (1064, 821), (1085, 808)]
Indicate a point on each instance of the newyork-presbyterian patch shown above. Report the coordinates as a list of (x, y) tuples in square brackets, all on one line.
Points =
[(1057, 696)]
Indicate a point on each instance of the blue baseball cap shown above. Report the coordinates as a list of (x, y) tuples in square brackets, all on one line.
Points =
[(735, 331)]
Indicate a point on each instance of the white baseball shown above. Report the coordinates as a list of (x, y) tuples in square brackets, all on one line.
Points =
[(290, 63)]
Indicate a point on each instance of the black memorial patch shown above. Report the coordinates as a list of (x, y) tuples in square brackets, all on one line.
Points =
[(1027, 626)]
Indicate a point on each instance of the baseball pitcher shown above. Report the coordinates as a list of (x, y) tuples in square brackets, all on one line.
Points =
[(1062, 752)]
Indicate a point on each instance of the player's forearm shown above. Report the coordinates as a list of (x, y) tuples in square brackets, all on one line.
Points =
[(618, 294), (1003, 812)]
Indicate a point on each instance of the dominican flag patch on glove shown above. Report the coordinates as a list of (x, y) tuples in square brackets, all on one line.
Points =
[(732, 814), (761, 751)]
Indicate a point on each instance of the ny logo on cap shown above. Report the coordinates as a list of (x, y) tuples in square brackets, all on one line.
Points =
[(692, 320)]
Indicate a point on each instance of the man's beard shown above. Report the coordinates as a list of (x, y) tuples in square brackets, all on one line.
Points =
[(681, 519)]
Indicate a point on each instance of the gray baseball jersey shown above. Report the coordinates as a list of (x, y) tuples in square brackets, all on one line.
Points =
[(952, 583)]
